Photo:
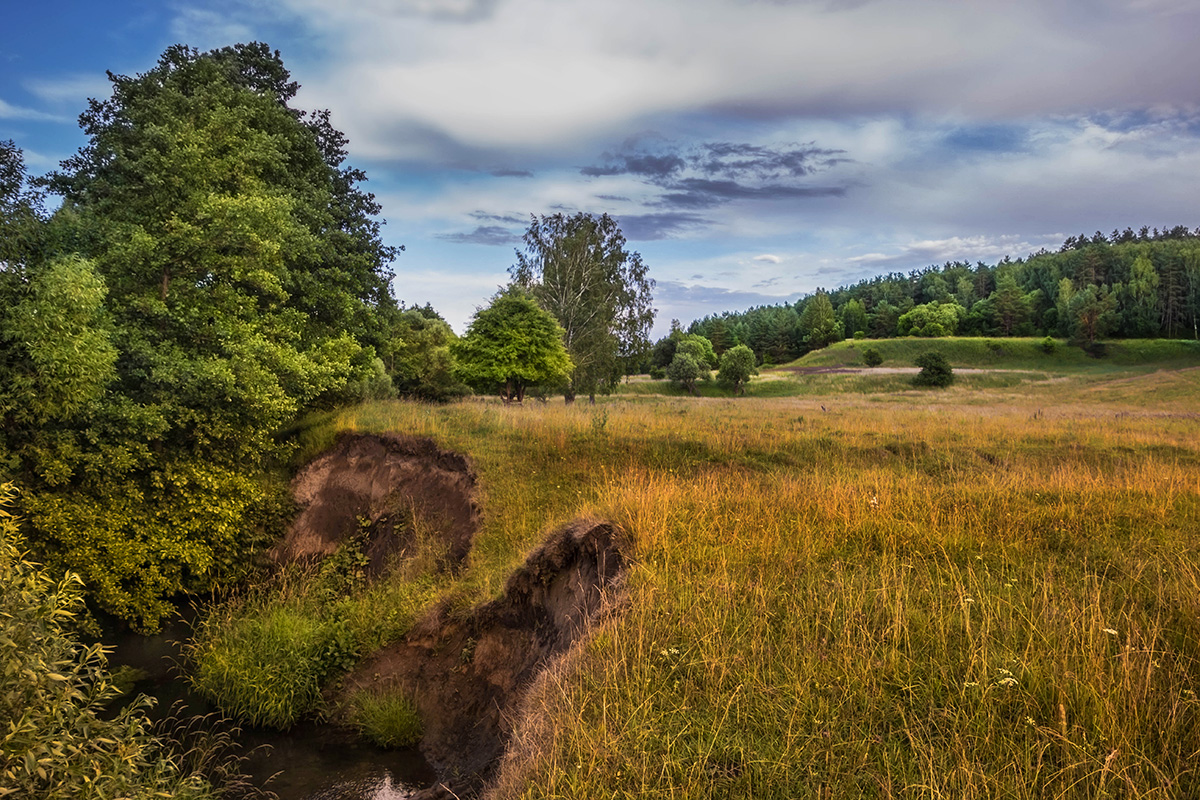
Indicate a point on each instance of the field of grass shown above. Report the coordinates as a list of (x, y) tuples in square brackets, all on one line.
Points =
[(985, 591)]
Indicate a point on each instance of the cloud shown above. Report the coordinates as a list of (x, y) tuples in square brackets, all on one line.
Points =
[(678, 300), (484, 234), (207, 28), (769, 258), (650, 227), (70, 90), (9, 111), (511, 173), (540, 75)]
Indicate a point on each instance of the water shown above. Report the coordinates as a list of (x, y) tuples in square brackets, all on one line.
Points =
[(308, 762)]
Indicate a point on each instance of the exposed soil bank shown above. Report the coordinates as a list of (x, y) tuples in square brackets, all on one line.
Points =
[(468, 674), (390, 485)]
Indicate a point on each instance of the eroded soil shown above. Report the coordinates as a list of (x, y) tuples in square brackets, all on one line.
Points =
[(388, 486), (469, 674)]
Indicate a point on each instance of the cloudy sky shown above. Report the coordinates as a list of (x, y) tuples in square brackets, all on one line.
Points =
[(753, 150)]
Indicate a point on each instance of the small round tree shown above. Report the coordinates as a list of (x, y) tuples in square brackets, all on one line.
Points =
[(737, 365), (871, 357), (511, 345), (935, 370)]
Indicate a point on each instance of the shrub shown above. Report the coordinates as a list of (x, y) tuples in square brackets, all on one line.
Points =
[(60, 740), (1049, 345), (935, 370), (871, 357), (737, 365), (387, 719)]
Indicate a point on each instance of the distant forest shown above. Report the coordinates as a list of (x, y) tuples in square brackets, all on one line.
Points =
[(1143, 284)]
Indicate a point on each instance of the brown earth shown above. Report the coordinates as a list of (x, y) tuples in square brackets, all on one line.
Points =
[(387, 486), (469, 673)]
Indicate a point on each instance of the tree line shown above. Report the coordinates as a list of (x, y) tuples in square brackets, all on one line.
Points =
[(1124, 285)]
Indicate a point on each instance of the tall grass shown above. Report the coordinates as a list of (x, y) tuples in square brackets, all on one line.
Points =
[(981, 592)]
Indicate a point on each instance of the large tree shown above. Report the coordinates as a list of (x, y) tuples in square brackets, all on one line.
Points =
[(512, 345), (244, 270), (578, 269)]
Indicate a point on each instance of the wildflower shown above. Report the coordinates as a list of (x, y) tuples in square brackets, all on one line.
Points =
[(1009, 681), (1030, 721), (874, 501), (970, 685), (1110, 631), (968, 599)]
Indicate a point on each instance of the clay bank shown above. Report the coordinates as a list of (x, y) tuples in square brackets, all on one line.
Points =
[(464, 672)]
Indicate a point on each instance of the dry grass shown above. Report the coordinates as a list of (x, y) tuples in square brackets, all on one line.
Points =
[(955, 594)]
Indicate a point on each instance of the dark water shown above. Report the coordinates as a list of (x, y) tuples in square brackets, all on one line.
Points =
[(308, 762)]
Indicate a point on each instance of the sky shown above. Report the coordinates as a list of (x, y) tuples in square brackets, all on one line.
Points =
[(753, 151)]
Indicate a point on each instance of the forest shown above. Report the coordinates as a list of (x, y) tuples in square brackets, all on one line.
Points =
[(1125, 285)]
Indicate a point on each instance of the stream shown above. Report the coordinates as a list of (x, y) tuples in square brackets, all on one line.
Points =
[(307, 762)]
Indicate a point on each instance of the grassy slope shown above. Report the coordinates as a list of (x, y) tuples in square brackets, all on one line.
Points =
[(976, 592)]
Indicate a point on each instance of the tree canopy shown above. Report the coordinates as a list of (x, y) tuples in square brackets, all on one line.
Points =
[(511, 345), (578, 269)]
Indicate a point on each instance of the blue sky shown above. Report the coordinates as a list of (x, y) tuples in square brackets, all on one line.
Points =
[(753, 150)]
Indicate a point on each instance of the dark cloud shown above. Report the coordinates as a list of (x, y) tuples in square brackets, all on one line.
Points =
[(508, 219), (484, 234), (681, 301), (711, 174), (651, 227), (613, 198), (511, 173)]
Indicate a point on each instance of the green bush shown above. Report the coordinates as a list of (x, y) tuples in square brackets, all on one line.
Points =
[(267, 665), (871, 357), (935, 370), (59, 739), (1048, 345), (387, 719)]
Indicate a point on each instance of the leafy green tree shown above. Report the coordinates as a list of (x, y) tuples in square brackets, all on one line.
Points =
[(737, 367), (511, 345), (818, 323), (872, 357), (418, 356), (244, 274), (931, 320), (21, 216), (1092, 313), (693, 359), (854, 317), (578, 269), (935, 370), (60, 738), (1142, 289)]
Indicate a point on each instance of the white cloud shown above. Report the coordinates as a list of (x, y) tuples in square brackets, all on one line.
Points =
[(9, 111), (70, 90), (767, 257)]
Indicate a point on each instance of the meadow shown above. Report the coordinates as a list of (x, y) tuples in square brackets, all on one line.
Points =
[(849, 589)]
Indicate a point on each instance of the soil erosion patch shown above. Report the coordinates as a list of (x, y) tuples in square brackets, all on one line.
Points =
[(468, 674), (392, 485)]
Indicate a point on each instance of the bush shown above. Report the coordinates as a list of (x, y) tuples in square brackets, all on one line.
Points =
[(60, 737), (1049, 345), (388, 720), (871, 357), (657, 373), (737, 365), (935, 370)]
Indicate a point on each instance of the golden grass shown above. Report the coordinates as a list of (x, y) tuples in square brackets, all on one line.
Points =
[(949, 594)]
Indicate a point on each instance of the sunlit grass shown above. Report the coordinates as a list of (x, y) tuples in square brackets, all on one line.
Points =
[(986, 591)]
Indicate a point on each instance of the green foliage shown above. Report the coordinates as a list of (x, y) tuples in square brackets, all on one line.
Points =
[(418, 356), (389, 719), (737, 366), (935, 370), (1049, 345), (931, 320), (818, 323), (692, 362), (231, 276), (871, 357), (58, 738), (511, 345), (578, 269), (268, 667)]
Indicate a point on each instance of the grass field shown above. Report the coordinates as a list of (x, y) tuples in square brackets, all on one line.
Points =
[(986, 591)]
